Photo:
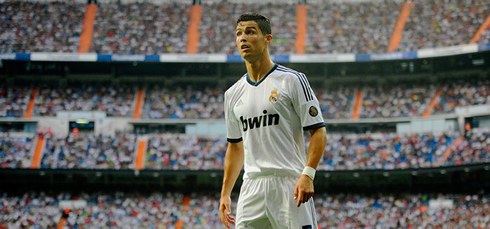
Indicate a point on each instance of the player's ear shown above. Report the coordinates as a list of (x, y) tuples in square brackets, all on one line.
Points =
[(268, 38)]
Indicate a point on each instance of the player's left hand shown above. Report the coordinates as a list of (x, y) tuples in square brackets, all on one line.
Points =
[(304, 190)]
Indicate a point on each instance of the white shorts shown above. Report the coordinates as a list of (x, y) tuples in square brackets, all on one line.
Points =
[(268, 202)]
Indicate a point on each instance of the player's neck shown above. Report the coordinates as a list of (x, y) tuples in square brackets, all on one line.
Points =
[(259, 69)]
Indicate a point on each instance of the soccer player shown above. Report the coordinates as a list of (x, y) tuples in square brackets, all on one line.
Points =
[(266, 111)]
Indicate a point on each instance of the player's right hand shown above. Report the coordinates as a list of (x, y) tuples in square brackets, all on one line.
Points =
[(225, 211)]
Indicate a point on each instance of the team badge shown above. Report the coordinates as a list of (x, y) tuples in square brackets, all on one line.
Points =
[(274, 97), (313, 111)]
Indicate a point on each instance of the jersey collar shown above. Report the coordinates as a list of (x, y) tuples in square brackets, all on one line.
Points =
[(251, 82)]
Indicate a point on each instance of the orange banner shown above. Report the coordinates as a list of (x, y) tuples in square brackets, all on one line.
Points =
[(140, 155), (193, 29), (396, 36), (88, 28), (30, 105), (36, 158), (432, 103), (139, 104), (301, 20), (357, 105)]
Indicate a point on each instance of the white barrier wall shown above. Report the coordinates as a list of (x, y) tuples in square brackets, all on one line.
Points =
[(424, 126), (109, 126), (57, 125)]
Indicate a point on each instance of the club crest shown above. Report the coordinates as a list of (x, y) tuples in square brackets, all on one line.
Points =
[(274, 97)]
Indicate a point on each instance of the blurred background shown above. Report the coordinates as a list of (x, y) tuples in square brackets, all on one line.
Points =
[(111, 111)]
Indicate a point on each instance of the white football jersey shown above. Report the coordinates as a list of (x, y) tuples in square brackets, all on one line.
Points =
[(270, 116)]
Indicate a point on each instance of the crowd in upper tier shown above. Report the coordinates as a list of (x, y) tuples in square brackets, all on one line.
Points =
[(147, 28), (195, 152), (167, 102), (166, 210)]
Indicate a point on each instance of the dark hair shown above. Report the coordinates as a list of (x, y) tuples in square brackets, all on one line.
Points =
[(263, 22)]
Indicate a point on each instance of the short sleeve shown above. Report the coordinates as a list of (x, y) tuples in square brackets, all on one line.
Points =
[(305, 103), (233, 131)]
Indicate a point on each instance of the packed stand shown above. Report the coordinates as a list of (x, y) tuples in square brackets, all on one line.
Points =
[(34, 26), (203, 211), (351, 27), (337, 103), (386, 151), (442, 23), (88, 151), (218, 24), (14, 100), (165, 210), (185, 152), (102, 210), (485, 36), (396, 101), (183, 103), (15, 151), (460, 93), (402, 211), (115, 101), (152, 29), (206, 102), (474, 148), (141, 28)]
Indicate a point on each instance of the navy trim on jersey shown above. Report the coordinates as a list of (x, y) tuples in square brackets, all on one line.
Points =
[(302, 79), (234, 140), (251, 82), (315, 126)]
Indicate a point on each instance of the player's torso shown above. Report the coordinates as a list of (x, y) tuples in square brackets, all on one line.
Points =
[(264, 105)]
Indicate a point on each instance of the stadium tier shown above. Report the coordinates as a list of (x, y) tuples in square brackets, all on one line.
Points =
[(198, 210), (319, 27), (157, 102), (168, 151)]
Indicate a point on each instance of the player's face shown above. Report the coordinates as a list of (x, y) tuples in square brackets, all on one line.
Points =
[(250, 41)]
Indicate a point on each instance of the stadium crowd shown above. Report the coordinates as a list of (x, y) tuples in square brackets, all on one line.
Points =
[(148, 28), (88, 151), (338, 102), (165, 210), (14, 100), (185, 152), (15, 151), (404, 151), (206, 102), (29, 26), (140, 28), (113, 100), (333, 28), (460, 93), (440, 23), (180, 103), (396, 101), (194, 152)]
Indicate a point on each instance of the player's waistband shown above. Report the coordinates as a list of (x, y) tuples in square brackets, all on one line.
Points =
[(272, 174)]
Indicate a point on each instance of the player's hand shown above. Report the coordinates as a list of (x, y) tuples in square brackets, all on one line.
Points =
[(225, 211), (304, 190)]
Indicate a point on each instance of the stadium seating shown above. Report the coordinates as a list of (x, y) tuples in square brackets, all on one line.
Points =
[(166, 210), (206, 102), (149, 28), (386, 151)]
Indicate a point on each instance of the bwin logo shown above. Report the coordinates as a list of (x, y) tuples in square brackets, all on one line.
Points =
[(259, 121)]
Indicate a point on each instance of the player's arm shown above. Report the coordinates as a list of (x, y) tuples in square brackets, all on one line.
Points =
[(304, 189), (233, 165)]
